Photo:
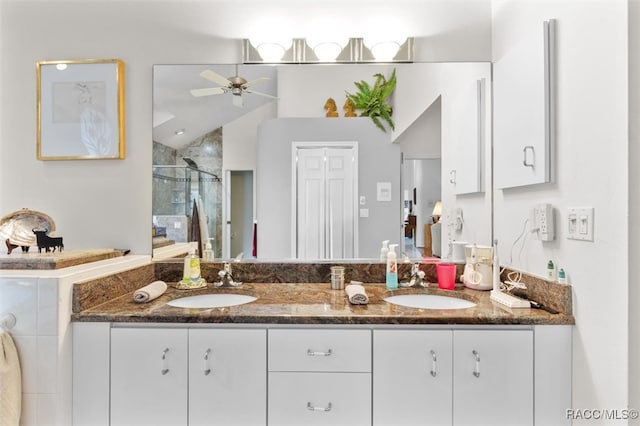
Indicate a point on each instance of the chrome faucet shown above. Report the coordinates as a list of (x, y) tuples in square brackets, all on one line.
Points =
[(226, 277), (417, 276)]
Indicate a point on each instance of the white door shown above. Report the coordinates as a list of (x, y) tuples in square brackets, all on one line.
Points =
[(467, 136), (493, 377), (325, 210), (412, 377), (148, 377), (227, 377)]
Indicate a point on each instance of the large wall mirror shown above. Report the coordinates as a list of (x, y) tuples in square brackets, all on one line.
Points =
[(266, 174)]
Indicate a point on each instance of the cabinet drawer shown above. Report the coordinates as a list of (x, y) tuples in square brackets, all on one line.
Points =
[(320, 350), (335, 399)]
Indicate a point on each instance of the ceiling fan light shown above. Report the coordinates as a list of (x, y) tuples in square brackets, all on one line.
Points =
[(327, 51)]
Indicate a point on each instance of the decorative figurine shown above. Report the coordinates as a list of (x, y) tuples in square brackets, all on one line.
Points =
[(349, 109), (46, 242), (331, 108)]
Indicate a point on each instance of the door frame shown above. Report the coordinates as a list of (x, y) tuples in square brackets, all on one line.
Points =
[(295, 146)]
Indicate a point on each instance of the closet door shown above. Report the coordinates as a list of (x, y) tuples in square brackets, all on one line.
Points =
[(325, 221), (339, 207), (310, 209)]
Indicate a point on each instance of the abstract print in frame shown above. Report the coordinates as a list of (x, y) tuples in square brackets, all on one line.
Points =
[(80, 109)]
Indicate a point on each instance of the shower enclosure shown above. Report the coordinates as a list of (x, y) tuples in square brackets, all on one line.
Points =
[(176, 189)]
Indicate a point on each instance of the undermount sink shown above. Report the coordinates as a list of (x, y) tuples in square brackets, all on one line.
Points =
[(214, 300), (429, 301)]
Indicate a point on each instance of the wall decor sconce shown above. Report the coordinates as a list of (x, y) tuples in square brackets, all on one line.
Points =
[(310, 51)]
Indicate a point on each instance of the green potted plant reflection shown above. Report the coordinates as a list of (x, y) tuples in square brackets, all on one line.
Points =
[(372, 101)]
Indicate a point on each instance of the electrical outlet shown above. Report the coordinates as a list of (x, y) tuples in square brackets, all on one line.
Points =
[(542, 222), (580, 223)]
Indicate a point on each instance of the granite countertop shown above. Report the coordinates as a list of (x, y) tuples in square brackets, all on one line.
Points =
[(285, 303), (54, 260)]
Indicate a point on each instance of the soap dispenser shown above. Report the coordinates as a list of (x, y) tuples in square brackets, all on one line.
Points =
[(392, 267), (191, 277), (384, 251), (207, 254)]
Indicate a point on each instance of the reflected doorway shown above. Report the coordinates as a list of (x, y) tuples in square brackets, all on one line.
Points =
[(422, 185), (240, 218)]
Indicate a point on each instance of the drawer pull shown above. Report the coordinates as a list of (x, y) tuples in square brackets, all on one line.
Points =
[(476, 372), (207, 369), (314, 353), (311, 407), (164, 370), (433, 363)]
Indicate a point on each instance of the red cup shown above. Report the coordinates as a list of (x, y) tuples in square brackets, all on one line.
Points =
[(446, 275)]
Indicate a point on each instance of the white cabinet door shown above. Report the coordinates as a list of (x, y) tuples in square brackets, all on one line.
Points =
[(468, 137), (523, 102), (412, 377), (148, 377), (493, 377), (227, 377)]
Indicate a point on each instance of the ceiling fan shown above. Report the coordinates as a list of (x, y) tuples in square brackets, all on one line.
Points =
[(236, 85)]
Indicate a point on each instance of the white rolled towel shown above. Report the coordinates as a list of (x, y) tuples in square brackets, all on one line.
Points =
[(356, 294), (10, 382), (150, 292)]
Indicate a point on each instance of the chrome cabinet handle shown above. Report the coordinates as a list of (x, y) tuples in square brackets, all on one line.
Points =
[(311, 407), (533, 158), (476, 372), (314, 353), (433, 363), (164, 370), (207, 369)]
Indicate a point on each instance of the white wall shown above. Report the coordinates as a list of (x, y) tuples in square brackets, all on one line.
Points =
[(94, 203), (378, 161), (592, 148)]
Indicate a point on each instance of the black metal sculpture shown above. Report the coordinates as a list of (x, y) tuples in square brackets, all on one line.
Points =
[(46, 242)]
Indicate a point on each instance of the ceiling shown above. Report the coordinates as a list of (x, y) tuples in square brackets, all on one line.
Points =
[(174, 108)]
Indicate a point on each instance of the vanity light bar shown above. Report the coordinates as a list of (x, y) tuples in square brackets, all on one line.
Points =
[(300, 52)]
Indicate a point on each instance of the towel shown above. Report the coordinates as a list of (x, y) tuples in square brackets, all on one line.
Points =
[(10, 382), (356, 294), (150, 292)]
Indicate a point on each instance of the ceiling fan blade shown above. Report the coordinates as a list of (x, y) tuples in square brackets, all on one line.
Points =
[(253, 92), (237, 101), (208, 91), (216, 78), (256, 81)]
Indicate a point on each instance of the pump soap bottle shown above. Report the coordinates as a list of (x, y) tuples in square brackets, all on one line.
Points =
[(207, 254), (392, 267), (384, 251), (191, 277)]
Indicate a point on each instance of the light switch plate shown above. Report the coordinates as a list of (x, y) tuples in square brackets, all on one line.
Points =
[(580, 223), (364, 212)]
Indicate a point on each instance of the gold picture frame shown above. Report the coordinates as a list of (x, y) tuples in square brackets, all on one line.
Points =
[(80, 109)]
